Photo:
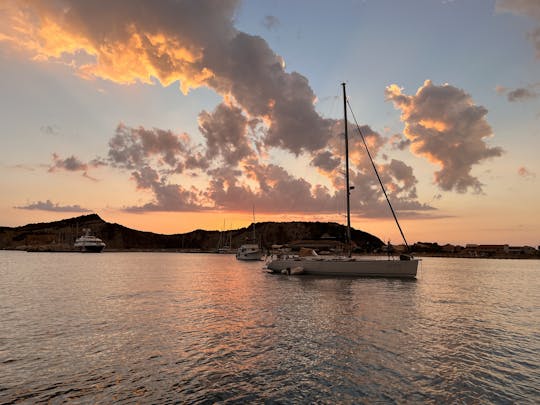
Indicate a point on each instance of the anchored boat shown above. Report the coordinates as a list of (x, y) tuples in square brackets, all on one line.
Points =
[(89, 243), (404, 267), (252, 249)]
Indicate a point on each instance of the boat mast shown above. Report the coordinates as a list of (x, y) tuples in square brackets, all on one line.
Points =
[(254, 236), (348, 192), (380, 181)]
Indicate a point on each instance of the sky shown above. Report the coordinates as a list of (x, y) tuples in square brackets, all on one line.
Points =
[(172, 116)]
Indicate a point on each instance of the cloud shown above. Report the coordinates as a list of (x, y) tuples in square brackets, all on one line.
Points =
[(74, 164), (135, 148), (48, 205), (71, 164), (326, 160), (49, 130), (130, 41), (529, 8), (526, 8), (254, 75), (368, 200), (152, 156), (195, 44), (534, 37), (271, 22), (273, 189), (225, 130), (526, 173), (397, 141), (501, 89), (446, 127), (519, 94), (231, 175), (169, 197), (21, 166)]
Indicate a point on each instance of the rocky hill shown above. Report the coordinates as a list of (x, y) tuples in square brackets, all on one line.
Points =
[(60, 235)]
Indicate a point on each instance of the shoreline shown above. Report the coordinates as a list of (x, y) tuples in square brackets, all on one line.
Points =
[(54, 249)]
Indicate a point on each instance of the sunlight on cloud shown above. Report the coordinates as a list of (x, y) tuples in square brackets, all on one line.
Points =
[(264, 107), (140, 56), (448, 129), (433, 124)]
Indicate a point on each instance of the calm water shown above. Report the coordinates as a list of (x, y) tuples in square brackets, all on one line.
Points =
[(181, 328)]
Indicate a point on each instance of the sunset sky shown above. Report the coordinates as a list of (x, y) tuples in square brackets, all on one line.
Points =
[(168, 116)]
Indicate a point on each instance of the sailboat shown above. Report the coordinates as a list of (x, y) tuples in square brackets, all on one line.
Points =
[(225, 241), (225, 244), (404, 267), (250, 250)]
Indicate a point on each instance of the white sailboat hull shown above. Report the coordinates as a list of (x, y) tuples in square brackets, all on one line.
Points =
[(345, 267)]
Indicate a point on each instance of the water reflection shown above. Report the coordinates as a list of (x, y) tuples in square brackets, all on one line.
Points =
[(206, 328)]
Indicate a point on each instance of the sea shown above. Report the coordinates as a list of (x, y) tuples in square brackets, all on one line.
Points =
[(167, 328)]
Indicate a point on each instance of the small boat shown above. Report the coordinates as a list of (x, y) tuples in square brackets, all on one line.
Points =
[(404, 267), (89, 243), (225, 242), (250, 250)]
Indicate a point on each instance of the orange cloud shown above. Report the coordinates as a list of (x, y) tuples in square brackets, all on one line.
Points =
[(440, 126), (526, 173), (195, 43), (445, 126), (144, 56), (140, 55), (40, 35)]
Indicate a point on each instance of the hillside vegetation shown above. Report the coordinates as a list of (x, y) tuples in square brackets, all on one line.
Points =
[(60, 235)]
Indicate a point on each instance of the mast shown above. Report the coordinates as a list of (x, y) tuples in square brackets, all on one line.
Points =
[(254, 236), (380, 181), (348, 236)]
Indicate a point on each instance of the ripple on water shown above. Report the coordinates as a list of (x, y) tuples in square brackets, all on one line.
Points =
[(169, 328)]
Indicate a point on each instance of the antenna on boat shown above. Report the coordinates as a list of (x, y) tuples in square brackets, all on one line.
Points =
[(378, 177), (348, 192)]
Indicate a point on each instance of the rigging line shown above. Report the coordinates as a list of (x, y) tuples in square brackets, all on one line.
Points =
[(378, 177)]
